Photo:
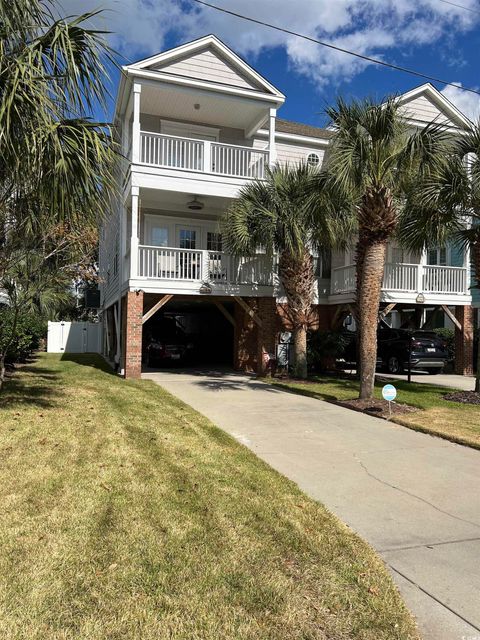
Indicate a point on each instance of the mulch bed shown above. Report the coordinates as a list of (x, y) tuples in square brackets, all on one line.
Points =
[(466, 397), (376, 407)]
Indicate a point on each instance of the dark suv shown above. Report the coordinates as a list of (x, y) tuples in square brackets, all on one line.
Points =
[(428, 350)]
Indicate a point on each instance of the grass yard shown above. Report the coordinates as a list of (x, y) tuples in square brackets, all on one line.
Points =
[(127, 515), (452, 420)]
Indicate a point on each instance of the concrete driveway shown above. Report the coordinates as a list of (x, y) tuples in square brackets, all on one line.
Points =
[(466, 383), (415, 498)]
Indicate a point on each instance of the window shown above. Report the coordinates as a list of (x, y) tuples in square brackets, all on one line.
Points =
[(187, 238), (158, 236), (214, 241), (437, 256), (313, 159)]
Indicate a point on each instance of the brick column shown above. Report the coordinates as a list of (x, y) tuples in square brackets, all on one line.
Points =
[(464, 341), (245, 338), (133, 334), (267, 311)]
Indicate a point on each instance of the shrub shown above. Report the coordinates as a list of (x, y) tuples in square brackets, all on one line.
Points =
[(448, 335), (29, 332), (324, 347)]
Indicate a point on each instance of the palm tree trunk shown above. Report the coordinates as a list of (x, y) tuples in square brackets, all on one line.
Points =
[(369, 304), (297, 278), (300, 351), (359, 258)]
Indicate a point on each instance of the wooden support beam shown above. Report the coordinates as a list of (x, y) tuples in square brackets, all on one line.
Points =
[(248, 310), (384, 313), (227, 315), (452, 317), (156, 307)]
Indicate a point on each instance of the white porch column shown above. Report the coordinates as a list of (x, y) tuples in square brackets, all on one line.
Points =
[(207, 157), (137, 89), (468, 268), (134, 234), (421, 271), (272, 148)]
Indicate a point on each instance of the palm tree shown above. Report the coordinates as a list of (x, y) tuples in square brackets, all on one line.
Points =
[(279, 214), (374, 158), (52, 78), (57, 164), (445, 206)]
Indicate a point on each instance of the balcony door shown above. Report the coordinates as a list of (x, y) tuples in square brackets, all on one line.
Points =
[(190, 260)]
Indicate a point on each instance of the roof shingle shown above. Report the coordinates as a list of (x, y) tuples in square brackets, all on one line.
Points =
[(299, 129)]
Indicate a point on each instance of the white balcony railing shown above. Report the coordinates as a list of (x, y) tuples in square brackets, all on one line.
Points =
[(444, 279), (344, 279), (408, 278), (194, 265), (231, 160), (174, 152)]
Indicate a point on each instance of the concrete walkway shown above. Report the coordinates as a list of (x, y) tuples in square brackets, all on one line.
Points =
[(414, 497)]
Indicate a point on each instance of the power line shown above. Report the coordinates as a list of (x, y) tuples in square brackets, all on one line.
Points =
[(460, 6), (382, 63)]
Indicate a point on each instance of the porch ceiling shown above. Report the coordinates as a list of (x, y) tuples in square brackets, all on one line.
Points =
[(158, 199), (214, 109)]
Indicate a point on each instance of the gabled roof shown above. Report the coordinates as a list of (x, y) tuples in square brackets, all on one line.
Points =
[(219, 49), (435, 97)]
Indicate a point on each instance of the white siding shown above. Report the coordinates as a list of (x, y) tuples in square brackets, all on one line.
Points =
[(290, 152), (109, 259), (338, 259), (227, 135), (207, 65), (423, 110)]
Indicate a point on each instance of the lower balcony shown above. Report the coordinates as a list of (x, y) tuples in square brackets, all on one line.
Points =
[(203, 271), (408, 279)]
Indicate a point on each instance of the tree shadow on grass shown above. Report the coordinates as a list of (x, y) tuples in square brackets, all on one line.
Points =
[(37, 389), (93, 360)]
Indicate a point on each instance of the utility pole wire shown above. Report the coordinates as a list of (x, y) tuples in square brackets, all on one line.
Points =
[(382, 63), (460, 6)]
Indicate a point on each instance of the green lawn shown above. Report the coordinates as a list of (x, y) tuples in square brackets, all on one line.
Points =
[(127, 515), (452, 420)]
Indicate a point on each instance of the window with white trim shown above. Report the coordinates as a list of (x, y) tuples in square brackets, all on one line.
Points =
[(214, 241), (313, 159)]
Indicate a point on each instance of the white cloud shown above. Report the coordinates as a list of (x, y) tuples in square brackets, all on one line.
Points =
[(468, 103), (371, 27)]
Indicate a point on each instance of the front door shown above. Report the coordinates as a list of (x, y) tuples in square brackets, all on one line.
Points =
[(188, 239)]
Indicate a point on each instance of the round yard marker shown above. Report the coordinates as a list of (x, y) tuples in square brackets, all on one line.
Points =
[(389, 392)]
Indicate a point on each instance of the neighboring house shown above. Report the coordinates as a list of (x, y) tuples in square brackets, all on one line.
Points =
[(196, 123)]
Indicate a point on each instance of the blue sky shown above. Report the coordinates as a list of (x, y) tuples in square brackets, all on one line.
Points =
[(429, 35)]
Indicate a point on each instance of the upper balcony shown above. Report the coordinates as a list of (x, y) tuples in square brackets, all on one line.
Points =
[(202, 156), (404, 282), (189, 120)]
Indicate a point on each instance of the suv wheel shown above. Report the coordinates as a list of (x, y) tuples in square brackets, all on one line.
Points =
[(394, 365)]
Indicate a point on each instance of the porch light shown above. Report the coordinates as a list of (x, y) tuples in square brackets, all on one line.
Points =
[(195, 204), (420, 298)]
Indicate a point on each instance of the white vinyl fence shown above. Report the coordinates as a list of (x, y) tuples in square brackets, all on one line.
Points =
[(74, 337)]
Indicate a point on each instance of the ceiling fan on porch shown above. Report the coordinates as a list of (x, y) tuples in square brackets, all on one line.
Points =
[(195, 204)]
